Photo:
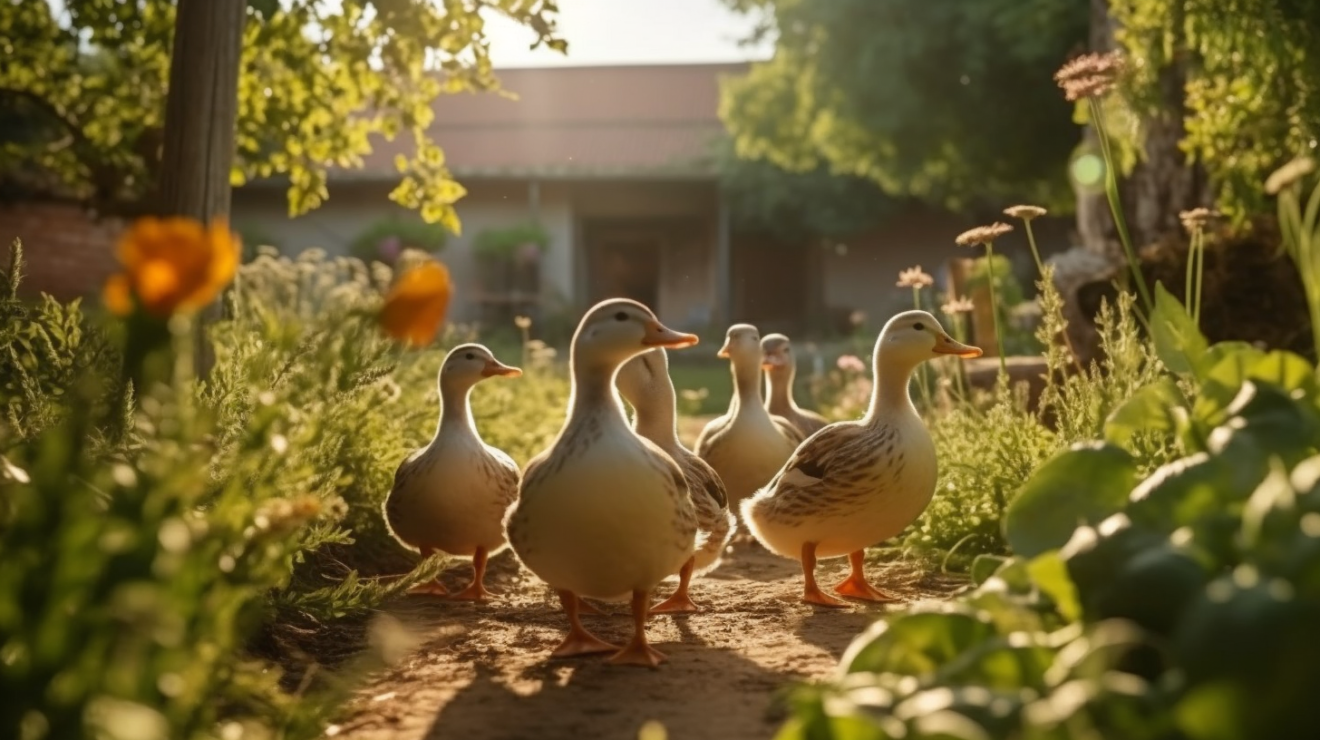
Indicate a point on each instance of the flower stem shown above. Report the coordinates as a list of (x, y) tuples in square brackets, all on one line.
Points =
[(921, 374), (1116, 206), (994, 307), (1200, 275), (1189, 281), (1031, 239)]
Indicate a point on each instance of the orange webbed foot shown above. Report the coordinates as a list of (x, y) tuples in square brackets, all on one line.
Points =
[(582, 642), (859, 588), (638, 654), (430, 588), (679, 603), (813, 595), (475, 591)]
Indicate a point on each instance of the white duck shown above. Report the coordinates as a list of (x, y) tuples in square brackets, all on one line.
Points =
[(746, 445), (604, 513), (855, 484), (450, 496), (644, 383), (780, 367)]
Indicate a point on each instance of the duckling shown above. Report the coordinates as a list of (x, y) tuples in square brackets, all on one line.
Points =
[(857, 483), (780, 366), (450, 496), (644, 383), (604, 513), (747, 445)]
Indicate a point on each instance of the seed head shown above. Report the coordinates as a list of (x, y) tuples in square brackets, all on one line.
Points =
[(957, 305), (914, 277), (1197, 218), (1090, 75), (1289, 174), (1026, 213), (982, 234)]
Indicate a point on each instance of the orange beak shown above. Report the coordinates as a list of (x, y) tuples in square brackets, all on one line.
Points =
[(724, 351), (947, 345), (773, 360), (495, 367), (659, 335)]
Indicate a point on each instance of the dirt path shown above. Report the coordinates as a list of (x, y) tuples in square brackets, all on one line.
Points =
[(482, 671)]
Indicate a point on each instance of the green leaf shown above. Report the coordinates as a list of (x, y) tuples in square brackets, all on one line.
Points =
[(1178, 342), (915, 643), (1222, 382), (984, 566), (1082, 485), (1051, 575), (1152, 408)]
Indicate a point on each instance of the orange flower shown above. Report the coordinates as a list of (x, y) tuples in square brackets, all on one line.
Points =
[(172, 264), (416, 305)]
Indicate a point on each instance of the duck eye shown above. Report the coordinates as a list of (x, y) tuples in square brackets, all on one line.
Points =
[(621, 316), (919, 326), (470, 356)]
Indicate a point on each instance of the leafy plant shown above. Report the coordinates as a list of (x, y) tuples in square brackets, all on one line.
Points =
[(503, 242), (387, 238)]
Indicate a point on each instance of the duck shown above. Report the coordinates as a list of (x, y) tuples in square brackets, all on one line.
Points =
[(604, 513), (747, 445), (780, 366), (854, 484), (451, 495), (644, 382)]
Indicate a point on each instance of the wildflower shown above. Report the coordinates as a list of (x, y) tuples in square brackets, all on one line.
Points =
[(416, 305), (171, 264), (914, 277), (1089, 75), (957, 305), (982, 234), (1197, 218), (850, 363), (522, 322), (1026, 213), (1289, 174)]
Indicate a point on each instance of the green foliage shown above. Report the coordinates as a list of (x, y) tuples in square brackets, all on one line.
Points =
[(1248, 72), (387, 238), (948, 102), (317, 81), (503, 242), (1180, 607)]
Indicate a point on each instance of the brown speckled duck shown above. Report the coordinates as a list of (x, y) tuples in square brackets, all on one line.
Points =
[(855, 484), (604, 513), (450, 496), (780, 365), (747, 445), (645, 384)]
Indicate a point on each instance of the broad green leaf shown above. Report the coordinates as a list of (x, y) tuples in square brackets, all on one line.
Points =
[(1188, 491), (985, 566), (1223, 381), (1078, 486), (1178, 341), (1151, 408), (1051, 575), (915, 643)]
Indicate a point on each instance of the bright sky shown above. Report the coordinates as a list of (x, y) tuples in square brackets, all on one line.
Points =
[(631, 32)]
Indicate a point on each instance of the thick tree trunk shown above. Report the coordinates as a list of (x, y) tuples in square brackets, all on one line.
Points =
[(200, 119)]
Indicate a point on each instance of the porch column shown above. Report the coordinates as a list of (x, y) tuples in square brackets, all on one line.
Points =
[(723, 261)]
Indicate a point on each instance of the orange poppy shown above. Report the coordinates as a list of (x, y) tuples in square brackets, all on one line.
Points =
[(416, 305), (172, 264)]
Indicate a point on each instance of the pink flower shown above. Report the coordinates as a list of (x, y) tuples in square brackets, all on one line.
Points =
[(851, 363), (390, 247)]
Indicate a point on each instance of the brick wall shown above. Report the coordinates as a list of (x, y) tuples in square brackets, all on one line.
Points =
[(68, 252)]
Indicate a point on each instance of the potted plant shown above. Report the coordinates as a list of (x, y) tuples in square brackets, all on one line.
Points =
[(509, 256), (387, 238)]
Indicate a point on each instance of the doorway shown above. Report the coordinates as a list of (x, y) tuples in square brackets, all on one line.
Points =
[(622, 264)]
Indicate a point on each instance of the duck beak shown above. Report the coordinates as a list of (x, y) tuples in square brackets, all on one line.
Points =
[(495, 367), (724, 351), (772, 361), (947, 345), (659, 335)]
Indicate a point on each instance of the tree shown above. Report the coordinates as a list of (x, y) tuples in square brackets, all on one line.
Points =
[(1238, 79), (946, 100), (86, 89)]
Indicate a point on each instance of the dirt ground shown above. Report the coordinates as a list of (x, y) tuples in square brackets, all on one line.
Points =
[(483, 671)]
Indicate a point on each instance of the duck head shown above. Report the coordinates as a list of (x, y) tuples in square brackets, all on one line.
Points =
[(742, 344), (777, 355), (912, 337), (644, 380), (615, 330), (469, 364)]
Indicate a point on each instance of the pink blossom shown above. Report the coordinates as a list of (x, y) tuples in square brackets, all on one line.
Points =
[(851, 363), (390, 247)]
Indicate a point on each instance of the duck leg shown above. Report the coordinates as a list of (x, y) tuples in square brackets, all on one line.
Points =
[(586, 607), (812, 593), (637, 651), (679, 602), (476, 591), (433, 588), (856, 586), (579, 641)]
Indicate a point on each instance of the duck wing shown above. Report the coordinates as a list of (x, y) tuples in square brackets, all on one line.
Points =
[(834, 456)]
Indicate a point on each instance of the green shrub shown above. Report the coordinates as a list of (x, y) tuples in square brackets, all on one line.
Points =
[(386, 239), (502, 242)]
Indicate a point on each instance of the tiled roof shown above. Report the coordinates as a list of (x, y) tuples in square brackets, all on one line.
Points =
[(578, 121)]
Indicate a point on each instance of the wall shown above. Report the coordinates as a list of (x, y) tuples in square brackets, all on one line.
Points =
[(68, 252)]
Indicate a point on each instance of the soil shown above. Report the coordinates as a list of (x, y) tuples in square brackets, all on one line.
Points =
[(483, 671)]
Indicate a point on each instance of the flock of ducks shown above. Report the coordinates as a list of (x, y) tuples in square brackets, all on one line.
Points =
[(613, 508)]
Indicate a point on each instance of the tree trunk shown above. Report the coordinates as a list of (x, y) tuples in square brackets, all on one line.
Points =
[(1162, 184), (200, 118)]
